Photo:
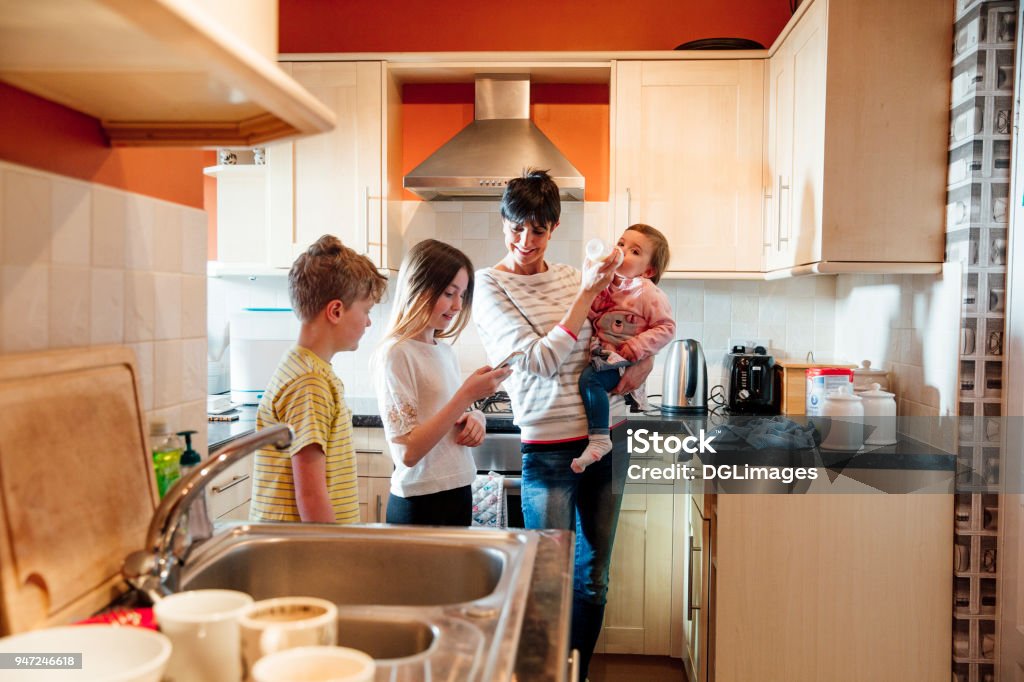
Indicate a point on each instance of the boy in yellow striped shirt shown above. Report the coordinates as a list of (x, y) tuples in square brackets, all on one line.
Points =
[(332, 290)]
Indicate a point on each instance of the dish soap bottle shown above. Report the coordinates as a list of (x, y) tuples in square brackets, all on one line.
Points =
[(198, 523), (166, 455)]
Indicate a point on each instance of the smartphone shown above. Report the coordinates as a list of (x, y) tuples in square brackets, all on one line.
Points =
[(512, 357)]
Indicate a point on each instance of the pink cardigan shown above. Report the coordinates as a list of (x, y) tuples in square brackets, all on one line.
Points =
[(632, 314)]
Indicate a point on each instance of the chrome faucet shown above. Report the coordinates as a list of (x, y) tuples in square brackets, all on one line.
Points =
[(169, 539)]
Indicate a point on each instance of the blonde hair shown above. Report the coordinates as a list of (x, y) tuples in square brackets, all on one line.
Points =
[(427, 270), (660, 254), (329, 271)]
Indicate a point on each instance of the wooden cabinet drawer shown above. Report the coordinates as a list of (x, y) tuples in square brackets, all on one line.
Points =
[(230, 489)]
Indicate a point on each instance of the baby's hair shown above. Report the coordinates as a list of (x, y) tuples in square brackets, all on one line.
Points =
[(532, 199), (427, 270), (329, 271), (660, 255)]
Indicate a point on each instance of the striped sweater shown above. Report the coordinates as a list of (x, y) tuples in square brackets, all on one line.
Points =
[(521, 312), (305, 393)]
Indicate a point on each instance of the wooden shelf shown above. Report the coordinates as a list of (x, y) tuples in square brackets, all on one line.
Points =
[(157, 72), (965, 615)]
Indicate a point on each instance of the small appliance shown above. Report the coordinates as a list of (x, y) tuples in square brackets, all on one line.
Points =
[(685, 384), (259, 337), (749, 379)]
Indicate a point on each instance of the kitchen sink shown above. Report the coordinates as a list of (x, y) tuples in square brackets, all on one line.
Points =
[(375, 569), (426, 603)]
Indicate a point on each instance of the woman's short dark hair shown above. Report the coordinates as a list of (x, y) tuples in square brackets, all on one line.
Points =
[(532, 199)]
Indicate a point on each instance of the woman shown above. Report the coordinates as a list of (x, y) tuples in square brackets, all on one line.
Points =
[(524, 303)]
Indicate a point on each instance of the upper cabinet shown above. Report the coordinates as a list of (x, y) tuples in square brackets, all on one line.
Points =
[(858, 129), (687, 148), (332, 183), (160, 72)]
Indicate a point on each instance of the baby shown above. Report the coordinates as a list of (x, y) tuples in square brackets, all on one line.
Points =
[(632, 320)]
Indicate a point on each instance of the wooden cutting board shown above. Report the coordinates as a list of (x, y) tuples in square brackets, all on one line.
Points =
[(77, 489)]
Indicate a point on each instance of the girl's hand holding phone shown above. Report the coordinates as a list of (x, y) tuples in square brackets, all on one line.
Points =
[(484, 382), (473, 428)]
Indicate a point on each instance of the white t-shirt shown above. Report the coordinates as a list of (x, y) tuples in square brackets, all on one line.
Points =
[(414, 380)]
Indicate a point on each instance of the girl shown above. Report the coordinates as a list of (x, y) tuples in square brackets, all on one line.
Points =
[(424, 408)]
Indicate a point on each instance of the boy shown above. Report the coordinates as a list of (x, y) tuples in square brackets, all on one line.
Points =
[(632, 321), (332, 290)]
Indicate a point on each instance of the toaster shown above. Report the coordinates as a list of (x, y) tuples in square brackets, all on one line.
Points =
[(749, 381)]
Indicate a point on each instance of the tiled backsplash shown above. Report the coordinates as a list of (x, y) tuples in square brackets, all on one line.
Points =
[(796, 316), (84, 265), (907, 324)]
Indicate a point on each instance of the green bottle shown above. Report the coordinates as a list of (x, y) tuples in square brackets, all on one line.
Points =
[(166, 455)]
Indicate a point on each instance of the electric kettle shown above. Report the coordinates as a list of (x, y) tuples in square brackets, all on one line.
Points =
[(685, 388)]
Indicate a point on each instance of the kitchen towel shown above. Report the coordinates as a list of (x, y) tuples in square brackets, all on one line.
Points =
[(490, 508)]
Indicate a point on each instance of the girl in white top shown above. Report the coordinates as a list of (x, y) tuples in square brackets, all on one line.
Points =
[(423, 404)]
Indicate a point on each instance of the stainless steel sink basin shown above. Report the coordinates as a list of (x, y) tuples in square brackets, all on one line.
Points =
[(374, 569), (427, 603)]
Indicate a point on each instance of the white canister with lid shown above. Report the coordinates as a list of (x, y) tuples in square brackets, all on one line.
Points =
[(879, 416), (865, 375), (845, 426)]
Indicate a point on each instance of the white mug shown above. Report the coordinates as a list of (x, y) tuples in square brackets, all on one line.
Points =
[(203, 628), (315, 664), (274, 625)]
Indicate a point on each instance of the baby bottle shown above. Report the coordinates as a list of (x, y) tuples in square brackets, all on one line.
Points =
[(597, 250)]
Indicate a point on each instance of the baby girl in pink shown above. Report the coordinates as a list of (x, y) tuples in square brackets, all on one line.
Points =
[(632, 320)]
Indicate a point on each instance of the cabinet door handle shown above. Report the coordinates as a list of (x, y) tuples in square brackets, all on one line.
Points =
[(380, 504), (235, 480), (766, 213), (690, 608), (366, 215), (629, 202), (783, 185)]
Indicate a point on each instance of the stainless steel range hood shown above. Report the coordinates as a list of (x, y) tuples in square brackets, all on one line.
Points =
[(497, 146)]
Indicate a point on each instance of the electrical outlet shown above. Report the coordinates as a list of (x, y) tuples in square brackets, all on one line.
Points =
[(750, 343)]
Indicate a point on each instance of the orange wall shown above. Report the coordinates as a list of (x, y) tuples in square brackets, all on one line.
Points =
[(460, 25), (575, 117), (41, 134)]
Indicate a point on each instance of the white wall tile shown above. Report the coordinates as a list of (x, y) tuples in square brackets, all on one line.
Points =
[(167, 306), (167, 374), (448, 227), (27, 219), (109, 216), (139, 306), (193, 241), (25, 302), (144, 363), (167, 238), (72, 223), (475, 225), (140, 222), (106, 308), (70, 309), (193, 368), (193, 306)]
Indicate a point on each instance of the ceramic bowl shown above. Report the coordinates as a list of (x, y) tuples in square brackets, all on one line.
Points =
[(110, 653)]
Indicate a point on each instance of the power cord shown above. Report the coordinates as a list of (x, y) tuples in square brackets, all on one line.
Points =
[(717, 398)]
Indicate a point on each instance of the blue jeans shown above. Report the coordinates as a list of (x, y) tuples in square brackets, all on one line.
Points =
[(594, 387), (555, 497)]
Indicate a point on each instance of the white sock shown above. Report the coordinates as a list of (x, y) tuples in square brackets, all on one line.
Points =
[(599, 446)]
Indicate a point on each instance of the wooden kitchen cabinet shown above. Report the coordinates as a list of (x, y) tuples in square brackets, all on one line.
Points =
[(637, 616), (855, 171), (373, 467), (688, 159), (332, 183), (838, 587)]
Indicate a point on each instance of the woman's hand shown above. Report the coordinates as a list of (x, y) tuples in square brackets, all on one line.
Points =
[(597, 275), (634, 376), (483, 382), (473, 428)]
